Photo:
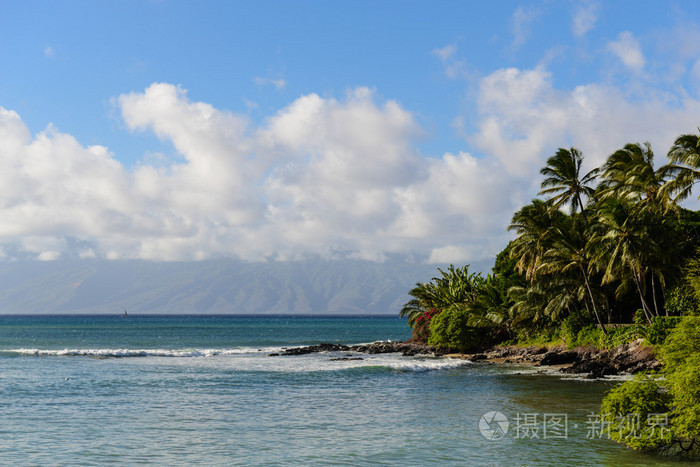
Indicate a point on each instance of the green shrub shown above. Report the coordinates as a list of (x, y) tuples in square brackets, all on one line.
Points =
[(682, 301), (636, 413), (421, 328), (577, 335), (451, 330), (659, 328), (684, 384), (527, 337), (679, 398), (682, 342)]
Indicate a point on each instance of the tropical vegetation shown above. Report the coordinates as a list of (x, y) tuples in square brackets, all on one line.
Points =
[(606, 246)]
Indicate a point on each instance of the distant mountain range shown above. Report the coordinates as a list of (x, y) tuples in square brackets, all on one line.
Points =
[(218, 286)]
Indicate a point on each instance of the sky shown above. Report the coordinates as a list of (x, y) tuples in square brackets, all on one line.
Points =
[(282, 130)]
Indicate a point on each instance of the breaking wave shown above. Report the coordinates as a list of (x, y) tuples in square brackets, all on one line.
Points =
[(259, 359)]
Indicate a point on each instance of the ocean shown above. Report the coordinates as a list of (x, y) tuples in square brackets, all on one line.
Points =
[(203, 390)]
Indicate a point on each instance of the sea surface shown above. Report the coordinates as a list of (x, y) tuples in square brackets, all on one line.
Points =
[(203, 390)]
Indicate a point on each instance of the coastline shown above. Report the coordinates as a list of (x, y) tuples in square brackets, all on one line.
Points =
[(626, 359)]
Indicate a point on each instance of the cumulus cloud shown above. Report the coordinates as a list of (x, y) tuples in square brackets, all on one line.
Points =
[(584, 18), (321, 176), (628, 50), (524, 118), (336, 178)]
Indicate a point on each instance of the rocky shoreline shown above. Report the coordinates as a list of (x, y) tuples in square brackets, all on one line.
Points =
[(406, 349), (628, 358), (595, 363)]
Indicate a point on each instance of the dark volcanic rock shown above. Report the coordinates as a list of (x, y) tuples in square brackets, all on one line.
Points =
[(555, 357), (633, 358), (627, 358), (596, 368), (314, 349), (405, 348)]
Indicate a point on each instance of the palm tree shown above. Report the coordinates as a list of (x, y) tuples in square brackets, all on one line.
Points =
[(570, 254), (532, 224), (622, 245), (564, 181), (629, 174), (455, 286), (421, 302), (549, 299), (491, 304), (684, 166)]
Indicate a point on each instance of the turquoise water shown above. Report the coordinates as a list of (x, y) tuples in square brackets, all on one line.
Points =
[(185, 390)]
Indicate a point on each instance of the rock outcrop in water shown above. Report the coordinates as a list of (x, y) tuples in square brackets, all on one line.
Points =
[(405, 348), (595, 363), (628, 358)]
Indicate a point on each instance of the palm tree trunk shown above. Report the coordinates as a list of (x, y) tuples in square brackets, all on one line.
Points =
[(653, 290), (595, 308), (663, 296), (580, 204), (645, 307)]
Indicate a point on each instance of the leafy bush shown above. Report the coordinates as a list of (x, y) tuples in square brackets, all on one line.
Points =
[(636, 413), (659, 328), (677, 398), (684, 384), (421, 328), (540, 337), (451, 330), (682, 343), (682, 301), (681, 355), (577, 335)]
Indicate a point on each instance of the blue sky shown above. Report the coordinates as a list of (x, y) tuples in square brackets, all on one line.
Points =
[(274, 130)]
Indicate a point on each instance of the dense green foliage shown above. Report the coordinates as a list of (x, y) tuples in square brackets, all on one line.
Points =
[(675, 399), (622, 245), (660, 327), (455, 329), (636, 414), (611, 245)]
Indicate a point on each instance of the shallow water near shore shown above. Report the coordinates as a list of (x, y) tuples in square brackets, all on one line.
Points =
[(198, 390)]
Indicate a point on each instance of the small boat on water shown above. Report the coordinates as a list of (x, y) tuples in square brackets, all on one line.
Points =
[(125, 314)]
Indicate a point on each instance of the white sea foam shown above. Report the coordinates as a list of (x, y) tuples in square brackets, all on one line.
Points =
[(119, 353), (258, 359)]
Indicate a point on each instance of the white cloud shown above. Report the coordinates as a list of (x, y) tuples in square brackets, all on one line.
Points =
[(524, 119), (522, 20), (695, 71), (628, 50), (454, 68), (49, 52), (584, 18), (278, 83), (322, 176), (445, 52), (519, 117), (337, 178)]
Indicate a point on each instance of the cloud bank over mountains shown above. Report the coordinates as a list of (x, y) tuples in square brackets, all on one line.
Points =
[(321, 177), (334, 178)]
